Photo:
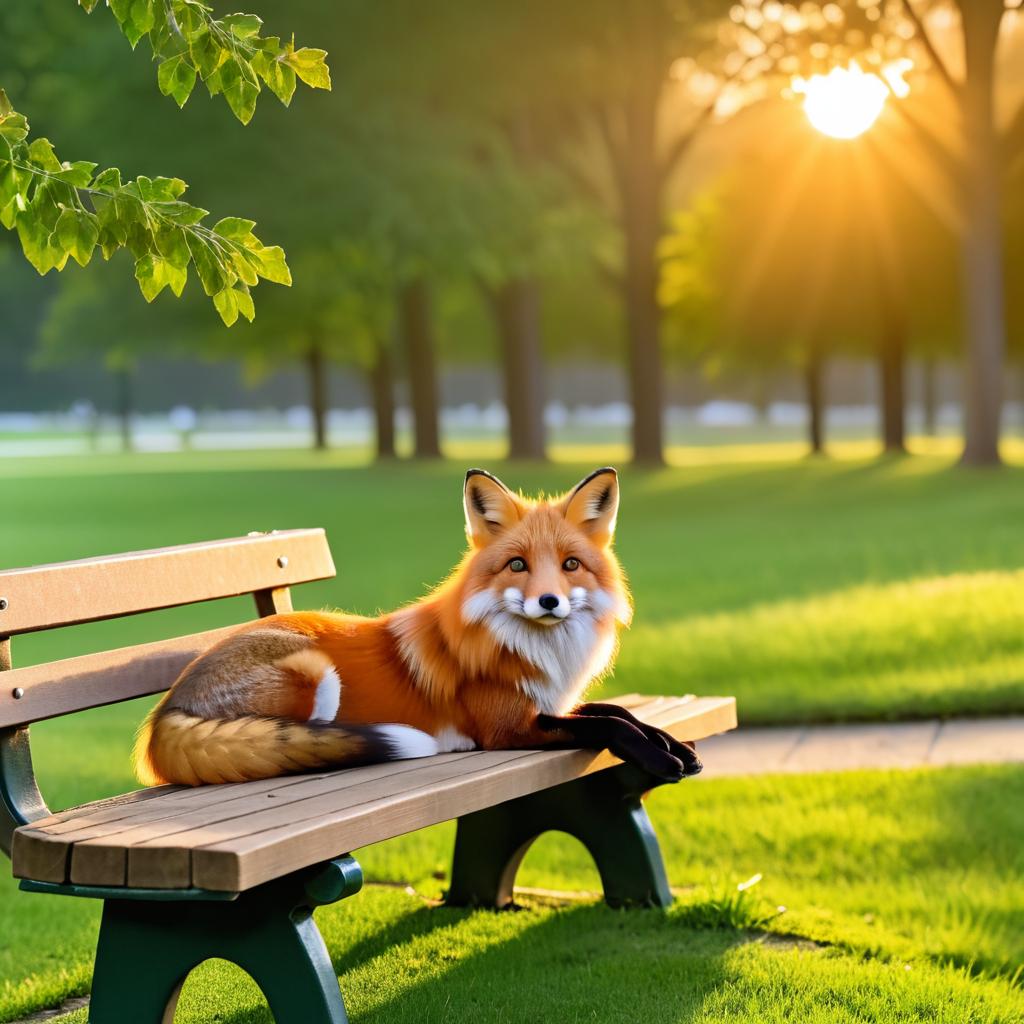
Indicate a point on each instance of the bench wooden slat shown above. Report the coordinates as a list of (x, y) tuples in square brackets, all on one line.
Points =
[(67, 593), (94, 680), (227, 838), (116, 824), (108, 818), (250, 860), (164, 862), (105, 818), (104, 853)]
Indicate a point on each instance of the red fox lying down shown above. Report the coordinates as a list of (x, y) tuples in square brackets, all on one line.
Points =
[(496, 657)]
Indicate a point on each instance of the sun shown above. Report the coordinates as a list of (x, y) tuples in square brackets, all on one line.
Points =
[(844, 103)]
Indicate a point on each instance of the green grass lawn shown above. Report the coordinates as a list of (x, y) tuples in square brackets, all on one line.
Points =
[(829, 590), (901, 894), (813, 590)]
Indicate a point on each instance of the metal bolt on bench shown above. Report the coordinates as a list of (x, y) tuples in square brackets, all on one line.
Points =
[(236, 871)]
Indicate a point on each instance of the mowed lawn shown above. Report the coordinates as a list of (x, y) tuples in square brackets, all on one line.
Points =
[(886, 897), (813, 590), (827, 590)]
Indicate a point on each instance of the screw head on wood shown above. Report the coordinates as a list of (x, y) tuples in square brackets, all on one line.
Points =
[(3, 604), (282, 561), (17, 693)]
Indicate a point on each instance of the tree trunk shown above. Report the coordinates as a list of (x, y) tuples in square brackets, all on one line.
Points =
[(814, 383), (516, 306), (762, 395), (929, 397), (124, 385), (631, 135), (315, 365), (641, 224), (382, 388), (414, 303), (892, 349), (981, 244)]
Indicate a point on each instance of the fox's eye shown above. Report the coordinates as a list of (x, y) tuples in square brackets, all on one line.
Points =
[(571, 564), (517, 565)]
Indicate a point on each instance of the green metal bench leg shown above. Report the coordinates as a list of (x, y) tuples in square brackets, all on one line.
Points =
[(147, 949), (604, 811)]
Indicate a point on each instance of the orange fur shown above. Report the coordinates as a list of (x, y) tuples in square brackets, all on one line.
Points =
[(474, 661)]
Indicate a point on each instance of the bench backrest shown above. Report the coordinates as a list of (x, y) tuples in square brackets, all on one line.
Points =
[(47, 596)]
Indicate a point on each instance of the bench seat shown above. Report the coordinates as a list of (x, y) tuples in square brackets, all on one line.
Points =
[(230, 838), (235, 871)]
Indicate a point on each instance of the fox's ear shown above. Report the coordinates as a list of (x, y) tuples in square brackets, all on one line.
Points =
[(490, 506), (593, 505)]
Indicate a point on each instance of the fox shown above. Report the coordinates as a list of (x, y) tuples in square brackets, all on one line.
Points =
[(497, 656)]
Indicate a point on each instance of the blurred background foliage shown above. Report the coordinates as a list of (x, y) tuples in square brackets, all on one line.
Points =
[(527, 185)]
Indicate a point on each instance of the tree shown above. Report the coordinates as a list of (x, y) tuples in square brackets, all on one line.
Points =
[(96, 317), (66, 210), (638, 117), (965, 145), (339, 312), (779, 263)]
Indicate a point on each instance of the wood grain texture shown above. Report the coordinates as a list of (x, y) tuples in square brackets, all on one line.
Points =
[(234, 837), (66, 593), (92, 680)]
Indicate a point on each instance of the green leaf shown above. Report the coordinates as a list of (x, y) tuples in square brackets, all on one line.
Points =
[(13, 128), (176, 278), (151, 275), (234, 227), (179, 212), (272, 264), (145, 216), (159, 190), (173, 246), (246, 266), (41, 153), (11, 209), (139, 241), (121, 9), (88, 5), (245, 26), (35, 244), (78, 174), (245, 304), (206, 53), (226, 302), (240, 87), (310, 66), (140, 20), (77, 233), (279, 78), (208, 266), (176, 78), (108, 179)]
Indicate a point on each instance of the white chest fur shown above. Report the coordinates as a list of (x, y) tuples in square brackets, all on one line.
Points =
[(567, 656)]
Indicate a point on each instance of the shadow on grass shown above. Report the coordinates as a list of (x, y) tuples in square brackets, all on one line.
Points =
[(533, 965)]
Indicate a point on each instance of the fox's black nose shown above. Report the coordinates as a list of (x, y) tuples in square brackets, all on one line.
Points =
[(549, 602)]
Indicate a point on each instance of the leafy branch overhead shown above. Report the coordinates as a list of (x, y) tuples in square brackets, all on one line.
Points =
[(63, 210), (227, 54)]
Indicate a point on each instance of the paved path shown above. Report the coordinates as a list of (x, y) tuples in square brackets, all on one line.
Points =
[(823, 748)]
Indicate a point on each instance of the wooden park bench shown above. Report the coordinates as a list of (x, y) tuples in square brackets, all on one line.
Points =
[(234, 871)]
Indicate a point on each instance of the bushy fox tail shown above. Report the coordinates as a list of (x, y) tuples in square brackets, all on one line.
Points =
[(174, 746)]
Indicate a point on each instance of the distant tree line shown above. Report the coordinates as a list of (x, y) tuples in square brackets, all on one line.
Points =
[(548, 176)]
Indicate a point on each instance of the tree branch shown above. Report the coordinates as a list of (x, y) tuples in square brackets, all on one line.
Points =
[(585, 182), (933, 54), (614, 146), (682, 144), (609, 274), (1012, 139), (943, 155)]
